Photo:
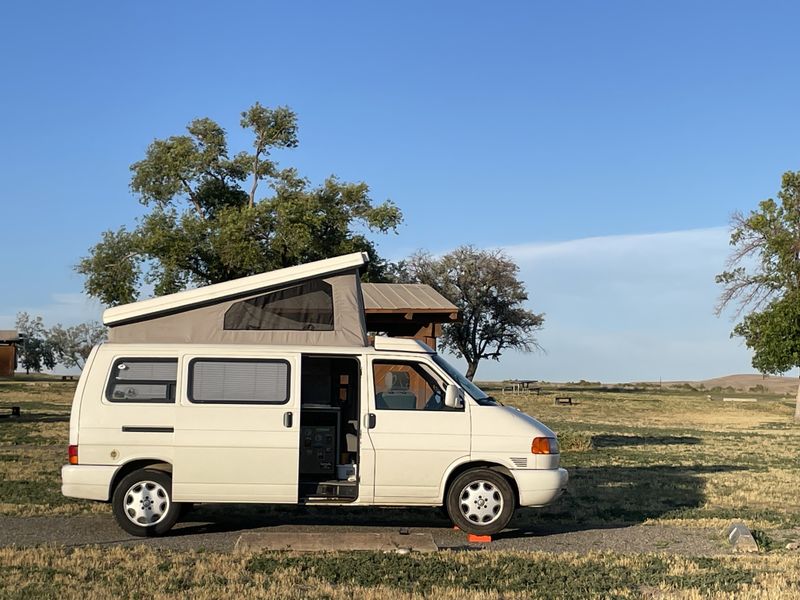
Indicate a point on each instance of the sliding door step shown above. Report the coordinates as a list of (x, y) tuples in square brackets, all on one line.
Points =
[(329, 489)]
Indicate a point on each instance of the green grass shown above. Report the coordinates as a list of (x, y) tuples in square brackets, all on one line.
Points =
[(508, 572)]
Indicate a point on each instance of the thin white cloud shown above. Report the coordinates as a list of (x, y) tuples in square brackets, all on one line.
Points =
[(67, 308), (620, 244), (626, 307)]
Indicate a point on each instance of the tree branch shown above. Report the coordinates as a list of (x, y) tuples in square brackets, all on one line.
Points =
[(193, 198), (255, 177)]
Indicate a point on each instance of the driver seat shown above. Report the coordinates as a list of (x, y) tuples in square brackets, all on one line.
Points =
[(398, 395)]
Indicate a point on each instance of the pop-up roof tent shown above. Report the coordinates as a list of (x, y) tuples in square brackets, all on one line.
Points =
[(319, 303)]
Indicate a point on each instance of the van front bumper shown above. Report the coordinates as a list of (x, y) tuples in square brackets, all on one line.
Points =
[(538, 487), (92, 482)]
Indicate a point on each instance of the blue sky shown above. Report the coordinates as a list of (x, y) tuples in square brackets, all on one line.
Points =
[(603, 144)]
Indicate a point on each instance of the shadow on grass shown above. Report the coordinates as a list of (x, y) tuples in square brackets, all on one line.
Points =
[(616, 441), (597, 498), (609, 389), (609, 496), (34, 418)]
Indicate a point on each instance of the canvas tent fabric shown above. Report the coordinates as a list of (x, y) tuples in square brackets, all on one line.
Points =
[(319, 303)]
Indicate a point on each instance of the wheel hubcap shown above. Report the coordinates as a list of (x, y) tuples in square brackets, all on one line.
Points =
[(481, 502), (146, 503)]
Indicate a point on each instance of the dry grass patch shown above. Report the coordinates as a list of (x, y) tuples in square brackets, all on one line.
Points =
[(672, 456), (33, 448), (138, 572), (635, 455)]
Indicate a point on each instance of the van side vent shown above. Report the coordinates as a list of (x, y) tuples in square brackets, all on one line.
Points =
[(520, 463)]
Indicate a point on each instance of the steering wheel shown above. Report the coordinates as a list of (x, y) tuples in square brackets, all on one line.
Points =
[(435, 402)]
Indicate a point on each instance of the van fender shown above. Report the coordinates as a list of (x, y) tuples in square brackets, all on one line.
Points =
[(135, 464), (473, 462)]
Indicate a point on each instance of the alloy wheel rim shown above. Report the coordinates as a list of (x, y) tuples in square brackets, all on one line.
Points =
[(146, 503), (481, 502)]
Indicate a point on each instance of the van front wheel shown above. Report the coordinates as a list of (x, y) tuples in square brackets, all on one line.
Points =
[(142, 503), (480, 501)]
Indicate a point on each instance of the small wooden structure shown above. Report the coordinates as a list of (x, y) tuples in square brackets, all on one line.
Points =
[(413, 310), (8, 352), (522, 386)]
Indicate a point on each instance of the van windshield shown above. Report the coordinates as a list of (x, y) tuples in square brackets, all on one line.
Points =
[(473, 390)]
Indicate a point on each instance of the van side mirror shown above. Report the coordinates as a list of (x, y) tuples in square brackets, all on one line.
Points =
[(454, 396)]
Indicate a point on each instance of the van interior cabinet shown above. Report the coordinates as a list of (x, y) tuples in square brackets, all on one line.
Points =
[(319, 440)]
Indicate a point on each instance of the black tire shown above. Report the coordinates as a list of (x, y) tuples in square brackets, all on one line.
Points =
[(142, 503), (480, 501)]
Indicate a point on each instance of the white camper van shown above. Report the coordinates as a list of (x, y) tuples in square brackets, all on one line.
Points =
[(266, 389)]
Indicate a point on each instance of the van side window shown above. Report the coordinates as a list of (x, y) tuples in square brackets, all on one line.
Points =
[(143, 380), (406, 386), (238, 381), (304, 307)]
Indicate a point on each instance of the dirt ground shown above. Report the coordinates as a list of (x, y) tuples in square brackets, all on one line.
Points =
[(211, 530)]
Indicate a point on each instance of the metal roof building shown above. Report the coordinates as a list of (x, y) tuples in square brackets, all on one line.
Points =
[(8, 352), (407, 310)]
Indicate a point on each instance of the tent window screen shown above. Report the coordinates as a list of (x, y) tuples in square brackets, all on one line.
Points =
[(143, 380), (243, 381), (308, 306)]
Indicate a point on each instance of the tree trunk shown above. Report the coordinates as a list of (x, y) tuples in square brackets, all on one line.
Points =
[(472, 367), (797, 405)]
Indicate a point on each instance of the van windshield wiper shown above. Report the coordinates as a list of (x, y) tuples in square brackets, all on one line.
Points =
[(489, 401)]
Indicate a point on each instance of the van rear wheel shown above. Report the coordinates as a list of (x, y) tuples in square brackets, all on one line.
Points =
[(142, 503), (480, 501)]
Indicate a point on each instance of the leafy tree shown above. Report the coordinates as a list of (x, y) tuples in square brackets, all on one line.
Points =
[(72, 345), (763, 276), (35, 350), (206, 225), (484, 286)]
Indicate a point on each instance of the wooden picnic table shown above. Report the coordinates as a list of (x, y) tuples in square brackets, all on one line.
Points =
[(519, 386)]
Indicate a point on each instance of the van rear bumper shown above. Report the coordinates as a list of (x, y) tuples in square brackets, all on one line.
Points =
[(538, 487), (92, 482)]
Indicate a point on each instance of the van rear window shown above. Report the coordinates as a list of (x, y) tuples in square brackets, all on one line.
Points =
[(238, 381), (143, 380)]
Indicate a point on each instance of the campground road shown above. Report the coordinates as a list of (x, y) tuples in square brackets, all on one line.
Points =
[(218, 529)]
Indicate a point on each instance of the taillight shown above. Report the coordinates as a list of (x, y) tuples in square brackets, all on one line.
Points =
[(544, 445), (73, 455)]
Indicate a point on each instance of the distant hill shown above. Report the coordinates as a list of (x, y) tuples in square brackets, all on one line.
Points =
[(777, 385)]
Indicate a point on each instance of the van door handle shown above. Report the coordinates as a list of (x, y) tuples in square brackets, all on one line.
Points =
[(287, 419), (371, 421)]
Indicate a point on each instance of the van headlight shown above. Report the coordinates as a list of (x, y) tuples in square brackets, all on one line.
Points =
[(544, 445)]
